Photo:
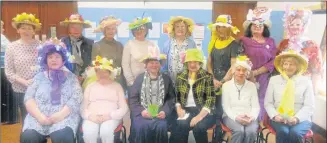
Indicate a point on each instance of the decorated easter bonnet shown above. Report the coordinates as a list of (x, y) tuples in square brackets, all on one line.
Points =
[(153, 54), (76, 19), (137, 23), (106, 21), (302, 59), (25, 18), (194, 54), (189, 23), (258, 16), (294, 13), (223, 20), (243, 61)]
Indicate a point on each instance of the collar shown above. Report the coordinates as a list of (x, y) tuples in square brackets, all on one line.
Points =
[(108, 41), (174, 42), (200, 74), (234, 83)]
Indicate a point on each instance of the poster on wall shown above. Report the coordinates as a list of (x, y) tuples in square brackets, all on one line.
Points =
[(123, 31), (164, 28), (155, 32), (198, 32), (89, 32)]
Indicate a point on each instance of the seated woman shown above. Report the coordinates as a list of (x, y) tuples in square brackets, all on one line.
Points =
[(290, 110), (195, 100), (151, 101), (104, 104), (240, 103), (53, 99)]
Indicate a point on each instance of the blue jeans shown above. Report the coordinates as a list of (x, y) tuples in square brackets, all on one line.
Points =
[(290, 134)]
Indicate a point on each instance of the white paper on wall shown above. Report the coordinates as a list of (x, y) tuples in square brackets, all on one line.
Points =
[(89, 32), (155, 32), (198, 32), (123, 31)]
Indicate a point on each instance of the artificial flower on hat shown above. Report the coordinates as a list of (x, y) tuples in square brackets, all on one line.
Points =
[(189, 23), (76, 19), (106, 21), (153, 54), (243, 61), (258, 16), (223, 20), (25, 18), (141, 22)]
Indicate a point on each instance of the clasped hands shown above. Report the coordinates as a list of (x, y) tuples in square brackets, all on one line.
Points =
[(290, 121), (195, 120), (244, 119), (54, 118), (146, 114)]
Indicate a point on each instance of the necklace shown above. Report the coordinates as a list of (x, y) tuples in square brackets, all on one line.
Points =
[(239, 89)]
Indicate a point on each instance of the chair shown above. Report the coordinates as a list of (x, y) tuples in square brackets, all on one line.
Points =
[(308, 136), (225, 130), (119, 130)]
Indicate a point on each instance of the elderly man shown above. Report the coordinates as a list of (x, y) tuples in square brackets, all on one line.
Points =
[(77, 44), (195, 100), (151, 101)]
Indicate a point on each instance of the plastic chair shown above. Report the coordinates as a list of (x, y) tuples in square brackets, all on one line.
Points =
[(308, 136), (225, 130)]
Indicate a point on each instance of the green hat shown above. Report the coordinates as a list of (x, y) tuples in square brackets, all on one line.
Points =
[(194, 54)]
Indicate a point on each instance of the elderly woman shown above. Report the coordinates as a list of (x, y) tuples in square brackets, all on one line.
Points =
[(136, 49), (53, 99), (222, 50), (261, 50), (290, 110), (151, 101), (108, 47), (21, 59), (180, 30), (195, 100), (240, 103), (104, 104), (296, 24)]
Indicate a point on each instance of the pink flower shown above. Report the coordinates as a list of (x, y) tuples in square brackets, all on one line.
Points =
[(182, 55)]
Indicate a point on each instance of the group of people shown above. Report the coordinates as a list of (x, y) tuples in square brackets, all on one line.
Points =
[(60, 81)]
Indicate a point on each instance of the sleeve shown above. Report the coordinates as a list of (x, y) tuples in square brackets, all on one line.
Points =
[(306, 112), (10, 70), (170, 98), (76, 95), (126, 62), (226, 100), (212, 41), (269, 100), (31, 90), (210, 93), (84, 111), (270, 64), (95, 50), (235, 49), (134, 98), (282, 46), (254, 102), (122, 105)]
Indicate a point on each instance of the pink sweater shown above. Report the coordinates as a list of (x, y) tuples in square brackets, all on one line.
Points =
[(104, 100)]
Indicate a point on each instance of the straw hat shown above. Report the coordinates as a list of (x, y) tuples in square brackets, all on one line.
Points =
[(106, 21), (25, 18), (303, 61), (76, 19), (189, 22), (223, 20), (260, 15)]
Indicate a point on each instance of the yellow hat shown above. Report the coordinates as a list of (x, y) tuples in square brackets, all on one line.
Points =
[(194, 55), (76, 19), (140, 22), (303, 61), (106, 21), (104, 63), (223, 20), (25, 18), (189, 22)]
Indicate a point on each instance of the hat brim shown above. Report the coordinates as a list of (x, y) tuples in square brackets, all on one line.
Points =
[(66, 23), (148, 25), (101, 27), (162, 57), (302, 67), (172, 21), (212, 27), (37, 26), (247, 23)]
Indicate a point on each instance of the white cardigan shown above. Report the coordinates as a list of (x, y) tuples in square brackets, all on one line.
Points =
[(246, 103)]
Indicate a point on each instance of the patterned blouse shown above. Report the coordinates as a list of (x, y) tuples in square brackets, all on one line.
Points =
[(175, 64), (20, 60), (71, 95)]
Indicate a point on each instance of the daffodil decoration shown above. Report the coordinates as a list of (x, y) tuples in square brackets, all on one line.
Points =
[(139, 22), (242, 58), (25, 18), (104, 63), (285, 113)]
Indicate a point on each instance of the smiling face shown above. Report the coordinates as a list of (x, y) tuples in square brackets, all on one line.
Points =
[(289, 66), (153, 66), (110, 31), (193, 66), (180, 28), (140, 33), (257, 28), (54, 61), (75, 30), (296, 27), (26, 31), (103, 74), (240, 73), (223, 31)]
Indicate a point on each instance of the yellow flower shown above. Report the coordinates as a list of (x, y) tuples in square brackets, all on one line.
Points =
[(243, 58), (98, 58)]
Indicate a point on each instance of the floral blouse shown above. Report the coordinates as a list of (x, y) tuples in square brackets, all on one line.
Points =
[(175, 64), (71, 95)]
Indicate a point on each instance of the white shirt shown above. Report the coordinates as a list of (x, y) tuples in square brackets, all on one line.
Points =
[(190, 98), (237, 100)]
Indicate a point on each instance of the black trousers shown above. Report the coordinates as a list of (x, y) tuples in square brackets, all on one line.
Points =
[(65, 135), (19, 98), (219, 113), (180, 128), (9, 112)]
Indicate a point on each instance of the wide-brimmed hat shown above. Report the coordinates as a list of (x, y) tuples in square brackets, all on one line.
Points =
[(76, 19), (243, 61), (260, 15), (25, 18), (223, 20), (140, 22), (302, 59), (153, 54), (189, 22), (194, 54), (106, 21)]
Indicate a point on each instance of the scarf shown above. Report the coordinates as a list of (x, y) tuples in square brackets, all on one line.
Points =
[(76, 43), (286, 106), (146, 92), (219, 44), (58, 78)]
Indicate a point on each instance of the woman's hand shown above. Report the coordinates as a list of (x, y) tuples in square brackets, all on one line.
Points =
[(217, 83), (95, 118), (104, 118), (146, 114), (56, 117), (280, 119), (292, 121), (44, 120), (180, 112), (161, 115), (195, 120)]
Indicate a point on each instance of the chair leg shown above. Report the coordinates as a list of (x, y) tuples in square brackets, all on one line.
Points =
[(124, 135)]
